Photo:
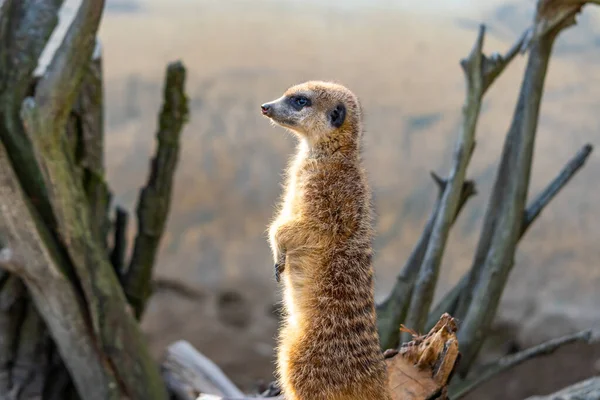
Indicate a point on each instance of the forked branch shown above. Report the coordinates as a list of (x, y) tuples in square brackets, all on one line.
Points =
[(504, 217), (485, 373), (449, 302)]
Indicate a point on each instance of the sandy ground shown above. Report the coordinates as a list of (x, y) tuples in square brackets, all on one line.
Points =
[(401, 58)]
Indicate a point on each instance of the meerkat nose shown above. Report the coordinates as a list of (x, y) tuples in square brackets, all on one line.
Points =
[(265, 108)]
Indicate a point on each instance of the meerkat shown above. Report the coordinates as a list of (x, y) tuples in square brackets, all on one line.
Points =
[(321, 239)]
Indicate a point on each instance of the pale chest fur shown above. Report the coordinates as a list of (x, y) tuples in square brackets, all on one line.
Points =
[(293, 199)]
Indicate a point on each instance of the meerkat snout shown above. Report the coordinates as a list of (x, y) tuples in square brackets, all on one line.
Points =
[(265, 108)]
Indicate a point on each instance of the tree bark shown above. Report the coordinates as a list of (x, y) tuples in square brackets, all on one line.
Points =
[(54, 218)]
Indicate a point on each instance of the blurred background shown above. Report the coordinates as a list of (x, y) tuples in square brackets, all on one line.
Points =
[(216, 287)]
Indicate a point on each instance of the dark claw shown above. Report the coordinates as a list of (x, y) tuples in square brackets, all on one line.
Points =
[(278, 270), (389, 353)]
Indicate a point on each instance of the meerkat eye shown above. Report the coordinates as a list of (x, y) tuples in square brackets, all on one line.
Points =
[(301, 101)]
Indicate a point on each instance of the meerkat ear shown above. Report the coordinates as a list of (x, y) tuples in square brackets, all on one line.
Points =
[(338, 115)]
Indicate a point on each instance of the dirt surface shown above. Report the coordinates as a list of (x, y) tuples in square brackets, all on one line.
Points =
[(403, 63)]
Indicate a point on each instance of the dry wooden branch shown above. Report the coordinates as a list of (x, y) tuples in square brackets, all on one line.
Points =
[(503, 222), (103, 298), (460, 389), (424, 288), (449, 303), (423, 367), (61, 82), (86, 129), (29, 366), (481, 72), (33, 259), (23, 40), (585, 390), (155, 198), (189, 374), (557, 184), (11, 293), (392, 311)]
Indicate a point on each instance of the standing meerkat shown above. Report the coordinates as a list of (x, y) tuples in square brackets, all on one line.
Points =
[(321, 241)]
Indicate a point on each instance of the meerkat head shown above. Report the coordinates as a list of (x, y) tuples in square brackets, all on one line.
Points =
[(316, 110)]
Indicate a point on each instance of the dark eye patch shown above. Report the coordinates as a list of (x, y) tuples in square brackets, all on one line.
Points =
[(299, 102)]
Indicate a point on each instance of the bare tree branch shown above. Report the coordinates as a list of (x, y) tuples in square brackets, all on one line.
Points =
[(449, 303), (101, 292), (155, 198), (585, 390), (485, 373), (58, 88), (11, 310), (494, 65), (29, 366), (102, 295), (565, 175), (23, 40), (85, 128), (51, 290), (423, 291), (392, 311), (508, 203)]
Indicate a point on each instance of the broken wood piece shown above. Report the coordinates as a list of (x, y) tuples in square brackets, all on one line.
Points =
[(423, 367), (189, 374)]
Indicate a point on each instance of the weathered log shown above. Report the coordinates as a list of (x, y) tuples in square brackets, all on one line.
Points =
[(28, 252), (44, 117), (189, 374), (424, 366), (585, 390)]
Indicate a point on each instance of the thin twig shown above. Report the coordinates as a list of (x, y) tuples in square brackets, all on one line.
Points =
[(450, 301), (557, 184), (462, 388), (155, 197)]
